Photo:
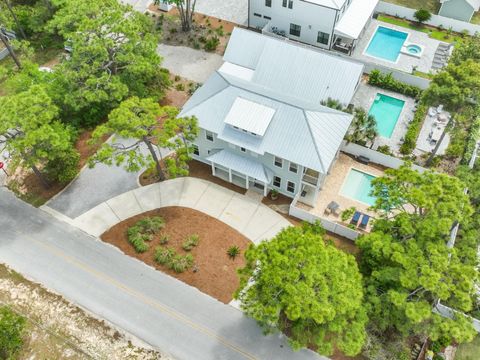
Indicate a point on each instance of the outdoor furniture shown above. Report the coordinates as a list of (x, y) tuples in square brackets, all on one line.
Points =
[(333, 207), (432, 112), (364, 222), (363, 159), (355, 218)]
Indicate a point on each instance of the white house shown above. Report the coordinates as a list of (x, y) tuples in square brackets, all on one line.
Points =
[(329, 24), (459, 9), (261, 119)]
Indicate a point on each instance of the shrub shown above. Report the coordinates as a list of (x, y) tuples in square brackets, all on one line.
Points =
[(164, 256), (151, 224), (138, 239), (410, 139), (181, 263), (233, 251), (202, 39), (196, 45), (164, 239), (347, 213), (473, 137), (173, 31), (385, 149), (180, 87), (63, 168), (12, 328), (220, 31), (190, 242), (422, 15), (387, 81), (211, 44), (177, 78)]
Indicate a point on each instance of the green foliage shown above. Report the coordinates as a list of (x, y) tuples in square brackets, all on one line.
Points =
[(212, 43), (12, 329), (190, 242), (468, 49), (473, 137), (180, 87), (233, 251), (137, 238), (387, 81), (410, 140), (303, 286), (333, 104), (347, 213), (164, 256), (151, 225), (169, 258), (422, 15), (385, 149), (363, 128), (164, 239), (405, 260), (64, 167)]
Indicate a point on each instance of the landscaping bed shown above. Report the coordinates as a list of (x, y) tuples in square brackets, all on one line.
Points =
[(213, 271)]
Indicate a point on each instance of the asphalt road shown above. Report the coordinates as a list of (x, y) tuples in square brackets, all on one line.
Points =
[(175, 318)]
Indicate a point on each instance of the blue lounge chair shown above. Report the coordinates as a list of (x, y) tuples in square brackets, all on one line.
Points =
[(355, 218), (364, 222)]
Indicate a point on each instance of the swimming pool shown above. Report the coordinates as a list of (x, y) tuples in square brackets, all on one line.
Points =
[(358, 186), (386, 43), (386, 110)]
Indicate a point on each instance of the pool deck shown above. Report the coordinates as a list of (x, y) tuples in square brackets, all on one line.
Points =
[(404, 62), (331, 190), (364, 98)]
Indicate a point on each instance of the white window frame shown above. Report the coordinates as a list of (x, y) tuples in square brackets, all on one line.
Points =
[(295, 166), (209, 134), (275, 158), (196, 150), (291, 184), (279, 181)]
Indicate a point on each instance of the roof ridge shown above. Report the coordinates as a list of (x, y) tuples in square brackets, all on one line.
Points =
[(211, 95), (313, 139)]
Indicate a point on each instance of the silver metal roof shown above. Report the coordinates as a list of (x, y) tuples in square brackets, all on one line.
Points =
[(355, 18), (250, 116), (301, 72)]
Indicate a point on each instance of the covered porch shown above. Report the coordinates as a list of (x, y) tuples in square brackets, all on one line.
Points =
[(240, 170), (352, 25)]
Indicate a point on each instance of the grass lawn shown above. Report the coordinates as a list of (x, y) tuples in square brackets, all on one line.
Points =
[(431, 5), (469, 351), (434, 33)]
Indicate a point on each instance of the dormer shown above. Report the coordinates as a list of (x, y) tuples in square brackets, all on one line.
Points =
[(249, 117)]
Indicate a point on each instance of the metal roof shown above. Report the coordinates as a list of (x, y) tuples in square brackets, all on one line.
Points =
[(357, 15), (475, 4), (306, 73), (242, 164), (308, 134), (334, 4), (250, 116)]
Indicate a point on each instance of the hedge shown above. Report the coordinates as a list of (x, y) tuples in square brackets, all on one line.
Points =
[(473, 137), (411, 136), (388, 82)]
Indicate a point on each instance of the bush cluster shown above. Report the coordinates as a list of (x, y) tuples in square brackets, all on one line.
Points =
[(176, 262), (211, 43), (472, 139), (143, 231), (388, 82), (410, 140), (190, 242)]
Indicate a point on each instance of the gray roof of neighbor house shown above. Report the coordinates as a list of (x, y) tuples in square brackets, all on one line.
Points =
[(334, 4), (312, 75), (475, 4), (306, 133)]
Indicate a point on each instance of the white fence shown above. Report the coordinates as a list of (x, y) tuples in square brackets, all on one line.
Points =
[(404, 77), (3, 53), (376, 157), (436, 20)]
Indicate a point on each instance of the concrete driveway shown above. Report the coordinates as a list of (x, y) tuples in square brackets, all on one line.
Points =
[(235, 11), (196, 65), (164, 312), (251, 218)]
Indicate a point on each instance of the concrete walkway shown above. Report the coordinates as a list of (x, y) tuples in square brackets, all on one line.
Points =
[(196, 65), (235, 11), (251, 218)]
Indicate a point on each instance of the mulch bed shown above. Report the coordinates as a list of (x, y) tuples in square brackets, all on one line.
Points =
[(217, 273)]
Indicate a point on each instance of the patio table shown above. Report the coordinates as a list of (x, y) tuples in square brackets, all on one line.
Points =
[(333, 206)]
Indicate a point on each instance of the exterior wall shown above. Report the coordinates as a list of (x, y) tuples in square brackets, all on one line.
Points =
[(267, 160), (436, 20), (457, 9), (311, 17)]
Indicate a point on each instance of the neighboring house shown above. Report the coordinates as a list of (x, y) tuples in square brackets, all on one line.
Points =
[(459, 9), (260, 118), (329, 24)]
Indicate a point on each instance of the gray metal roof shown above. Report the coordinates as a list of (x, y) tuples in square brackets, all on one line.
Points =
[(294, 69), (250, 116), (308, 134)]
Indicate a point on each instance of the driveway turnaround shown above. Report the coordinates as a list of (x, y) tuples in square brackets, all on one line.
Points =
[(196, 65), (235, 11), (164, 312), (251, 218), (139, 5)]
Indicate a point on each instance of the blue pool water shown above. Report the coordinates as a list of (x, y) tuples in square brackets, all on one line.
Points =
[(386, 110), (386, 43), (358, 186)]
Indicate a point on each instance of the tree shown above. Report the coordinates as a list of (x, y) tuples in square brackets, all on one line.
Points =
[(14, 17), (31, 133), (12, 329), (363, 128), (422, 15), (186, 9), (136, 119), (468, 48), (407, 266), (9, 47), (298, 284)]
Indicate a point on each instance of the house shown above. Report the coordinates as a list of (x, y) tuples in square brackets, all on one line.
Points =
[(459, 9), (261, 121), (328, 24)]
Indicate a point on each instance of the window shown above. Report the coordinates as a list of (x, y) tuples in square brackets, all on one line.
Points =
[(293, 167), (290, 187), (268, 3), (295, 29), (277, 181), (242, 149), (196, 151), (323, 38), (278, 162), (267, 17), (257, 15), (290, 4), (209, 135), (284, 3)]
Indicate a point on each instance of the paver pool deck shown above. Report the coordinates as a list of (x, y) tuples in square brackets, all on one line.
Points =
[(251, 218)]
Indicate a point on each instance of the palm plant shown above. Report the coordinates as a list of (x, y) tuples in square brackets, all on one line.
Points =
[(363, 128)]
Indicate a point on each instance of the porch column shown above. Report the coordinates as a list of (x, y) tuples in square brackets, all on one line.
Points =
[(230, 175), (213, 168), (265, 189), (246, 182), (315, 197)]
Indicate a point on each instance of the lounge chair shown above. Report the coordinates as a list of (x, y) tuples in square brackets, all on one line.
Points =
[(364, 222), (355, 218)]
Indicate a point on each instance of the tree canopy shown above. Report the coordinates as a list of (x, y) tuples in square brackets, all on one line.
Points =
[(405, 260), (298, 284)]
